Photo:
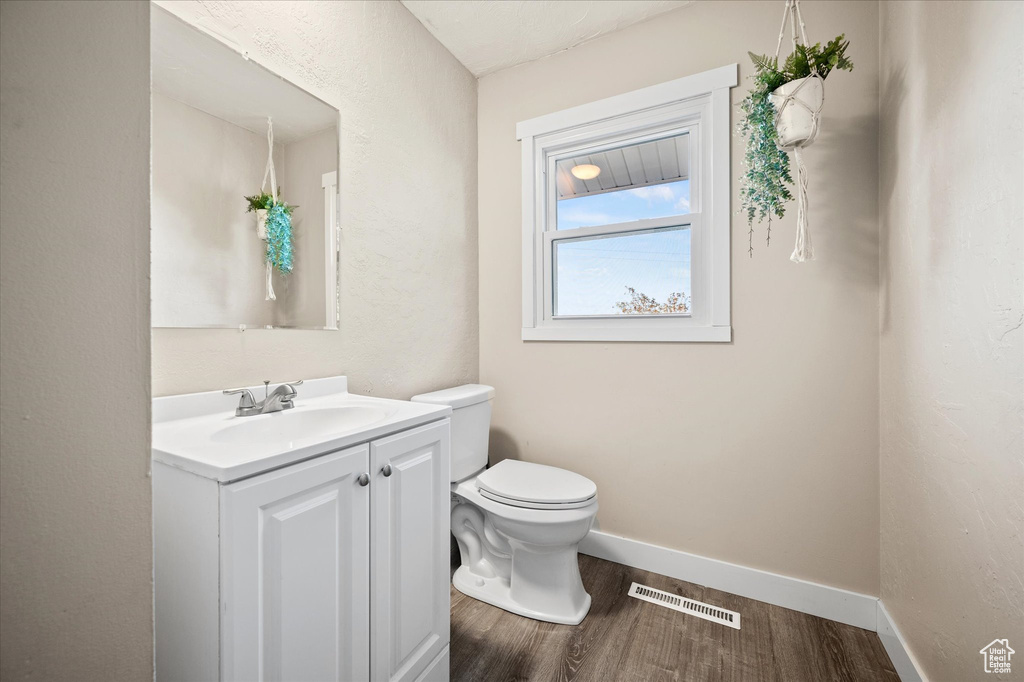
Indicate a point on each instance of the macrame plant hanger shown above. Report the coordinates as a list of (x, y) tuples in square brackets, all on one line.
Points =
[(803, 251), (269, 172)]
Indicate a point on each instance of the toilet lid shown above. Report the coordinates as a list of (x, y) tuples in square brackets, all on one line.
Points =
[(534, 485)]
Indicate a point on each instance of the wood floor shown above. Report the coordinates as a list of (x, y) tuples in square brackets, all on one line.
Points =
[(624, 638)]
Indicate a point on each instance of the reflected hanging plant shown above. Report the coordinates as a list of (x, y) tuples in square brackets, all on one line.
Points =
[(279, 237), (273, 219), (278, 228), (264, 201)]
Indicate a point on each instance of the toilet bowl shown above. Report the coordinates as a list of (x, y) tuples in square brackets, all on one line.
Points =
[(520, 555), (517, 524)]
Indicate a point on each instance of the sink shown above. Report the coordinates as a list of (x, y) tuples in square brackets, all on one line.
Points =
[(200, 434), (298, 424)]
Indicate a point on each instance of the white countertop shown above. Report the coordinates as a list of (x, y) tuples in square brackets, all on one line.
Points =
[(196, 432)]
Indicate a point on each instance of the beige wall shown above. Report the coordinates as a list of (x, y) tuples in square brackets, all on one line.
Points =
[(76, 588), (764, 451), (952, 344), (408, 202)]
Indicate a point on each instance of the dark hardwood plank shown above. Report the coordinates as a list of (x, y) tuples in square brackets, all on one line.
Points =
[(592, 648), (475, 639), (749, 656), (628, 640), (666, 644), (866, 654), (803, 656)]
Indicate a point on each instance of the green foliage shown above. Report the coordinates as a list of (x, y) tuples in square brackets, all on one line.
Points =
[(764, 191), (806, 59), (265, 201)]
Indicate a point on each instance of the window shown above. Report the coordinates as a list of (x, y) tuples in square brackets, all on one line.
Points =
[(626, 216)]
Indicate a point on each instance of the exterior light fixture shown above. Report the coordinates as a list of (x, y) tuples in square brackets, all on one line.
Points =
[(586, 171)]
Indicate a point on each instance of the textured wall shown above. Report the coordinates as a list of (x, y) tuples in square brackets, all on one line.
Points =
[(763, 451), (76, 589), (952, 342), (408, 203)]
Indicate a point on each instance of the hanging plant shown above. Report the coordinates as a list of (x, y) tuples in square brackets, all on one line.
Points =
[(273, 225), (273, 219), (780, 114), (264, 201), (279, 237), (260, 204), (763, 186)]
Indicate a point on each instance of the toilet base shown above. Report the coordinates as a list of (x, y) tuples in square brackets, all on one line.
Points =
[(497, 591)]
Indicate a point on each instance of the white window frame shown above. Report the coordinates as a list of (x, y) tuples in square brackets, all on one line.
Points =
[(697, 105)]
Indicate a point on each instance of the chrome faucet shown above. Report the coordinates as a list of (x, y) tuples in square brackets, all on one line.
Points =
[(273, 401)]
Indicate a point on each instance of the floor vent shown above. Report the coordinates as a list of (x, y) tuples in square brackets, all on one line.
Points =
[(677, 603)]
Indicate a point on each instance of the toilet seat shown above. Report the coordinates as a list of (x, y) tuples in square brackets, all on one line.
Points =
[(535, 486)]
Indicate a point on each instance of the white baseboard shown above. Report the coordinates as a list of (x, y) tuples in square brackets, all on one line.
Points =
[(860, 610), (904, 662)]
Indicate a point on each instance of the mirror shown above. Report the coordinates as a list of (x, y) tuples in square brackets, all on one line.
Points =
[(218, 258)]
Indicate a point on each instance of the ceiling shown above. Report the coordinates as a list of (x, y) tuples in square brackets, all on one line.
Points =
[(638, 165), (487, 36)]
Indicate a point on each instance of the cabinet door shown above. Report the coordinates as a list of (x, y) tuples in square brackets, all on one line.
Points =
[(409, 541), (295, 567)]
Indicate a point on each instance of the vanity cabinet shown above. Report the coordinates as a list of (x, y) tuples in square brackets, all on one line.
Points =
[(333, 568), (410, 564), (295, 555)]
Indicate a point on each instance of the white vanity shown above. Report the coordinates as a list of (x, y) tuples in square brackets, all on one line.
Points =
[(308, 544)]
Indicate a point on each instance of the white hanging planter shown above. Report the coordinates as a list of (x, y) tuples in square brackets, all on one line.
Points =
[(798, 110), (792, 122), (798, 104), (261, 223)]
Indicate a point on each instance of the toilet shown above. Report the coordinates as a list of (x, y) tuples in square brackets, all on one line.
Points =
[(517, 524)]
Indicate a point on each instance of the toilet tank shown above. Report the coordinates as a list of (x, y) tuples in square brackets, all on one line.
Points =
[(471, 425)]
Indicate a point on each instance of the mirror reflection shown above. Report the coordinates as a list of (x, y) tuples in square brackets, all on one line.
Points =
[(244, 208)]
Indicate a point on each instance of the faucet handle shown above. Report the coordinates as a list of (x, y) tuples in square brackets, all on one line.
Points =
[(291, 385), (246, 401)]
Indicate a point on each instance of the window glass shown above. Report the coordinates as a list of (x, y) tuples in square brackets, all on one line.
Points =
[(637, 181), (633, 273)]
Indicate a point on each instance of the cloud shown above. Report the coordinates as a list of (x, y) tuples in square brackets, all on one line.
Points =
[(654, 193), (683, 204)]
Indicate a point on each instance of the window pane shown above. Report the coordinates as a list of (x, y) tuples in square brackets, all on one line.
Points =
[(644, 180), (637, 273)]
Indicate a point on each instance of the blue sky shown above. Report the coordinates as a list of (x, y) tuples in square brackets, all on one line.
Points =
[(653, 201), (593, 274)]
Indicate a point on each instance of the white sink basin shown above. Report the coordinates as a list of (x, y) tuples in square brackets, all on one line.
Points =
[(200, 433), (292, 425)]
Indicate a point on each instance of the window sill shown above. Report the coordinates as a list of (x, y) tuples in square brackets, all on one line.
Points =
[(604, 334)]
